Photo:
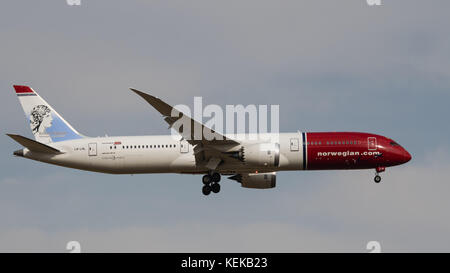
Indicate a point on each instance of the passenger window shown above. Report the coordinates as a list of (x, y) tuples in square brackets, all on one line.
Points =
[(320, 142)]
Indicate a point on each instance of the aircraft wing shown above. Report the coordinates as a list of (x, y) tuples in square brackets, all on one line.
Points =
[(172, 116)]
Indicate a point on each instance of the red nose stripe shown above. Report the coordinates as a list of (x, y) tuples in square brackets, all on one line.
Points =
[(22, 89)]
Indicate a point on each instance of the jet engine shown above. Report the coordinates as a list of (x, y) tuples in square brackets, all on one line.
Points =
[(263, 154), (256, 180)]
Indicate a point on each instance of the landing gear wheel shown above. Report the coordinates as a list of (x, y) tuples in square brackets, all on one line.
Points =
[(206, 190), (206, 179), (215, 177), (377, 179), (215, 187)]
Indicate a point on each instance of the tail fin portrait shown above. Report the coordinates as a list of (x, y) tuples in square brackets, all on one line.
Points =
[(46, 124)]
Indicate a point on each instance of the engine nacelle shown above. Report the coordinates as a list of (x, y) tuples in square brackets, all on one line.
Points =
[(264, 154), (257, 180)]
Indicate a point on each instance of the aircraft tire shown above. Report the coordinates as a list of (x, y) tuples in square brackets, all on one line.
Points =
[(206, 190), (215, 187), (206, 179), (377, 179), (215, 177)]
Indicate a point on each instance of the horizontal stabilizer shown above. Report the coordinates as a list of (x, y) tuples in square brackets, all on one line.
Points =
[(33, 145)]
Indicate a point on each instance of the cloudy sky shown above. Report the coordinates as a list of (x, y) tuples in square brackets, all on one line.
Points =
[(330, 65)]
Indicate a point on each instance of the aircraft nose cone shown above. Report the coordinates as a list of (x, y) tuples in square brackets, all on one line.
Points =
[(406, 156)]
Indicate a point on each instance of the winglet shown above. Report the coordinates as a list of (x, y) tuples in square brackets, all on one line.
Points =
[(162, 107)]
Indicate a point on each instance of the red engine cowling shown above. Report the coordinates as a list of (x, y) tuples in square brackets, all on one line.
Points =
[(256, 180)]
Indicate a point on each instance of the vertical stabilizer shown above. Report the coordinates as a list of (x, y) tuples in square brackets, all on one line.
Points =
[(46, 124)]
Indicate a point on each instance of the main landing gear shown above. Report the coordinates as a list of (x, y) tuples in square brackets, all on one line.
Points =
[(211, 183), (378, 170)]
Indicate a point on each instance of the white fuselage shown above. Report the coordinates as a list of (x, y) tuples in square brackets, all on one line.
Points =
[(162, 154)]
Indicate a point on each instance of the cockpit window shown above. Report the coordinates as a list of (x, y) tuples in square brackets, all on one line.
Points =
[(393, 143)]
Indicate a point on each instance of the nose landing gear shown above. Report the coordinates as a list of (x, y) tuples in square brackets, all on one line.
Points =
[(378, 170), (377, 179), (211, 183)]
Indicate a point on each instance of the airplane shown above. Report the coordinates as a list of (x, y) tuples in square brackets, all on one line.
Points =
[(252, 163)]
